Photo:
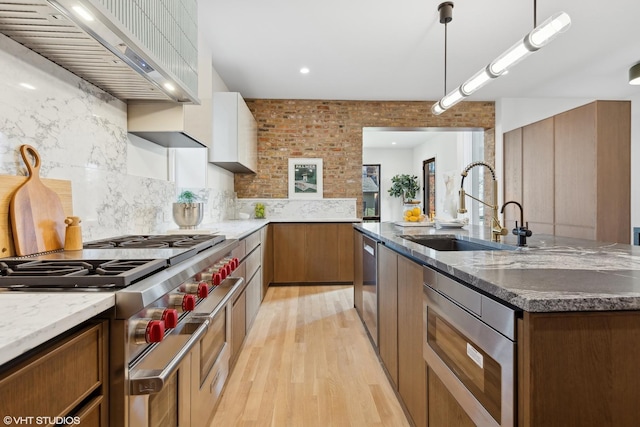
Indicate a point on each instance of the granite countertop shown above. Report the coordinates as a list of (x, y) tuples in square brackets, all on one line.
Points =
[(552, 274)]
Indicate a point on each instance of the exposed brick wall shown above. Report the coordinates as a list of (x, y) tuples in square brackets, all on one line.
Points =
[(332, 130)]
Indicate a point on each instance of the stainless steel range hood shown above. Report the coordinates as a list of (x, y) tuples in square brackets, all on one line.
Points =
[(100, 52)]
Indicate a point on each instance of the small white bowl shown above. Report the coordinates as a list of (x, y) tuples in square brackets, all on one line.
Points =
[(243, 215)]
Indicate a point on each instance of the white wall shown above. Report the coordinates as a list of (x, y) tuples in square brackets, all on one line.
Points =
[(393, 162), (452, 153)]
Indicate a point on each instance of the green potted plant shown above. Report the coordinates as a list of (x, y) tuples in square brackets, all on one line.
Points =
[(405, 186), (188, 210)]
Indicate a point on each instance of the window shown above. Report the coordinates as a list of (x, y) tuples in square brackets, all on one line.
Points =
[(371, 193)]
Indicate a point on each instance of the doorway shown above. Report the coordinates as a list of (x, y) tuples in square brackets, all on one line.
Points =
[(371, 193), (429, 189)]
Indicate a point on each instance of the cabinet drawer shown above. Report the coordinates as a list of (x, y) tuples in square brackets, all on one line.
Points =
[(252, 263), (252, 241), (213, 343), (49, 384), (90, 415), (238, 324), (240, 251)]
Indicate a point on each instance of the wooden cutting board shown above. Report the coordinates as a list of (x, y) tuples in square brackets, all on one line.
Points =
[(36, 212)]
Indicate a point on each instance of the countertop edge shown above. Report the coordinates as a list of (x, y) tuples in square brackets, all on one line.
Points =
[(530, 300), (24, 332)]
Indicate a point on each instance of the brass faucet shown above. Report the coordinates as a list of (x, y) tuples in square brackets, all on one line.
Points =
[(497, 230)]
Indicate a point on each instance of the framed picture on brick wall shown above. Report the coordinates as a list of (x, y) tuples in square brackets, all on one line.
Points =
[(305, 178)]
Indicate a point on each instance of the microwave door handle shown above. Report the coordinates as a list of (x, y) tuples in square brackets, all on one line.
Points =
[(152, 381)]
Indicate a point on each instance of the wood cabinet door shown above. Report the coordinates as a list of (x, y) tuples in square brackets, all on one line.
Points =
[(321, 250), (345, 253), (512, 147), (444, 410), (289, 253), (388, 310), (357, 273), (253, 298), (267, 258), (238, 325), (411, 366), (538, 177), (575, 172)]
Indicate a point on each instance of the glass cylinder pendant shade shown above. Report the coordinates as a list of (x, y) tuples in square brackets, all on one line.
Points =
[(549, 29), (480, 79), (451, 98), (537, 38)]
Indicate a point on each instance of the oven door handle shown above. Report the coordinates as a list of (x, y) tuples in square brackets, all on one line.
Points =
[(151, 381)]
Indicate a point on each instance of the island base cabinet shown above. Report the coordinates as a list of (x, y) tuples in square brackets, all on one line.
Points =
[(579, 369), (444, 410), (411, 367), (401, 329)]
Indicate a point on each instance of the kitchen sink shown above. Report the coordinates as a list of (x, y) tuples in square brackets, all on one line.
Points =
[(451, 243)]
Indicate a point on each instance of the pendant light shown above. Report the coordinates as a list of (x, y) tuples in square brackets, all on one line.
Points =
[(634, 74), (539, 37)]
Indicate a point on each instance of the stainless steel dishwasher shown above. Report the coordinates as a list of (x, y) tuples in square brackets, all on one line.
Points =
[(370, 287), (471, 346)]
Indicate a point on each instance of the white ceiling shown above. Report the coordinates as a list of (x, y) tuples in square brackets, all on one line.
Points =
[(383, 50)]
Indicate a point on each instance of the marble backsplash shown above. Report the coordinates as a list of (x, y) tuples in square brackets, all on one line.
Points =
[(81, 135), (301, 208)]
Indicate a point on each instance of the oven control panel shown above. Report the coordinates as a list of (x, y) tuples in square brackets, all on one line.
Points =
[(153, 323)]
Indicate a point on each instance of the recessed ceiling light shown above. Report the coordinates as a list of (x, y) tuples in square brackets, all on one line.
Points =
[(393, 143), (27, 86), (304, 70)]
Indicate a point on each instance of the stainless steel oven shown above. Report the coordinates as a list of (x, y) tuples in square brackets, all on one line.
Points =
[(470, 345), (179, 381), (170, 330)]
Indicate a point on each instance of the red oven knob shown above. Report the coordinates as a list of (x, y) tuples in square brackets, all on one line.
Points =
[(223, 272), (154, 331), (149, 331), (170, 317), (188, 303), (217, 279), (201, 289), (184, 302), (236, 263), (228, 269)]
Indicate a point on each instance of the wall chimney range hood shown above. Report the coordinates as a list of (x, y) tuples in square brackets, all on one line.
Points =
[(81, 37)]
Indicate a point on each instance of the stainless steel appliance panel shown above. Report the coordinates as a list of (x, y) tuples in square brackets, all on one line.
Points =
[(474, 361), (370, 286)]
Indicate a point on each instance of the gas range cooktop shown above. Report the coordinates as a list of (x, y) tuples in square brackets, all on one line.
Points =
[(198, 241), (103, 264)]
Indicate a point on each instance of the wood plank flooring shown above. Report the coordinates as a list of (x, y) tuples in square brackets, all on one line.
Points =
[(308, 362)]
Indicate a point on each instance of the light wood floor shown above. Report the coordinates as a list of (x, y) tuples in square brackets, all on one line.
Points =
[(308, 362)]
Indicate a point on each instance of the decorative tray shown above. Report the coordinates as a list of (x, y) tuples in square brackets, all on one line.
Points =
[(414, 224)]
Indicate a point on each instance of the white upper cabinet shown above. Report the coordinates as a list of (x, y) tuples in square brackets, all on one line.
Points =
[(235, 134)]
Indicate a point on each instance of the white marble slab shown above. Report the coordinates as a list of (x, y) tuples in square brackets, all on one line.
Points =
[(30, 319)]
